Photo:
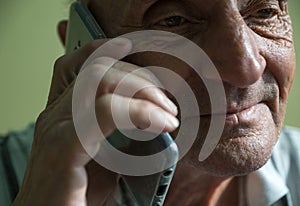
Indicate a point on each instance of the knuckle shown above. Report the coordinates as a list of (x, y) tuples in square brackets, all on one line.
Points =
[(103, 104), (103, 110), (140, 115), (59, 63), (125, 66), (143, 108), (104, 61), (148, 92), (90, 47)]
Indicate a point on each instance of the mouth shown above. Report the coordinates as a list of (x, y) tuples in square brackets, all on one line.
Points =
[(238, 116), (245, 116)]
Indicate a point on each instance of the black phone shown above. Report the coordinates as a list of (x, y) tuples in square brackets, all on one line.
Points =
[(149, 190)]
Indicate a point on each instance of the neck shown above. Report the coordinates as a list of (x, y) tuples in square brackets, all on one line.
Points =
[(190, 186)]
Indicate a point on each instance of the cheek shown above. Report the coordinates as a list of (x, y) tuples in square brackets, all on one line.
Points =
[(281, 63)]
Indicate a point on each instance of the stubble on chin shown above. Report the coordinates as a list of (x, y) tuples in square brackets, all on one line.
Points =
[(240, 151)]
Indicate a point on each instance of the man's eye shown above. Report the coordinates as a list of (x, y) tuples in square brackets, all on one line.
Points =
[(172, 21), (265, 13)]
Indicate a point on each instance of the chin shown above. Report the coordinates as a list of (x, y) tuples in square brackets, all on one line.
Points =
[(243, 148)]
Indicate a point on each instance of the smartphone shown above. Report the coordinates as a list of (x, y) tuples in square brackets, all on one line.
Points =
[(147, 190), (82, 27)]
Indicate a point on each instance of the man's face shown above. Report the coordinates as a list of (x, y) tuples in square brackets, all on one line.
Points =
[(249, 41)]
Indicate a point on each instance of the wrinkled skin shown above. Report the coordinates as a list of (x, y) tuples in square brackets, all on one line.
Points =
[(250, 43), (251, 46)]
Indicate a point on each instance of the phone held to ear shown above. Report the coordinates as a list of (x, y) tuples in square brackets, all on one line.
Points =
[(82, 27), (147, 190)]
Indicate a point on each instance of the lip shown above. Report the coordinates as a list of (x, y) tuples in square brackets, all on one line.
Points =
[(245, 116), (240, 116)]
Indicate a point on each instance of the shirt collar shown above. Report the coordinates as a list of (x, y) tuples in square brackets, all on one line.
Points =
[(265, 186)]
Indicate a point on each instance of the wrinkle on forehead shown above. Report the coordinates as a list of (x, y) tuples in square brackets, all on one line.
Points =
[(135, 8), (115, 15), (138, 3)]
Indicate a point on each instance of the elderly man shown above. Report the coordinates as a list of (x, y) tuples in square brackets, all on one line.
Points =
[(250, 42)]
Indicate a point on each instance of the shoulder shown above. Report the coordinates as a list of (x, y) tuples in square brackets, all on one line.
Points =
[(280, 176), (14, 152), (286, 160), (286, 152), (291, 133), (17, 144), (289, 142)]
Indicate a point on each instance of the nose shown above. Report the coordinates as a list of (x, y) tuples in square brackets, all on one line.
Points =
[(234, 49)]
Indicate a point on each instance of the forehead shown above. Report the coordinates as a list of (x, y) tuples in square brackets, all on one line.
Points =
[(125, 11), (138, 4)]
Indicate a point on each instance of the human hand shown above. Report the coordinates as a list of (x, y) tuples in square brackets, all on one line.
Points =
[(60, 171)]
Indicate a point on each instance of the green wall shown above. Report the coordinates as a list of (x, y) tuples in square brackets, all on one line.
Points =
[(29, 47), (293, 110)]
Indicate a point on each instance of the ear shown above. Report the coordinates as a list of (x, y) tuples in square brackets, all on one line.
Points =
[(62, 31)]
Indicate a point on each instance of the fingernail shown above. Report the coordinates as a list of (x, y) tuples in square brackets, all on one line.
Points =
[(171, 121), (172, 106)]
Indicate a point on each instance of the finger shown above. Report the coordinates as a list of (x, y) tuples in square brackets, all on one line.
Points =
[(127, 84), (67, 67), (130, 85), (149, 76), (117, 112), (141, 72)]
